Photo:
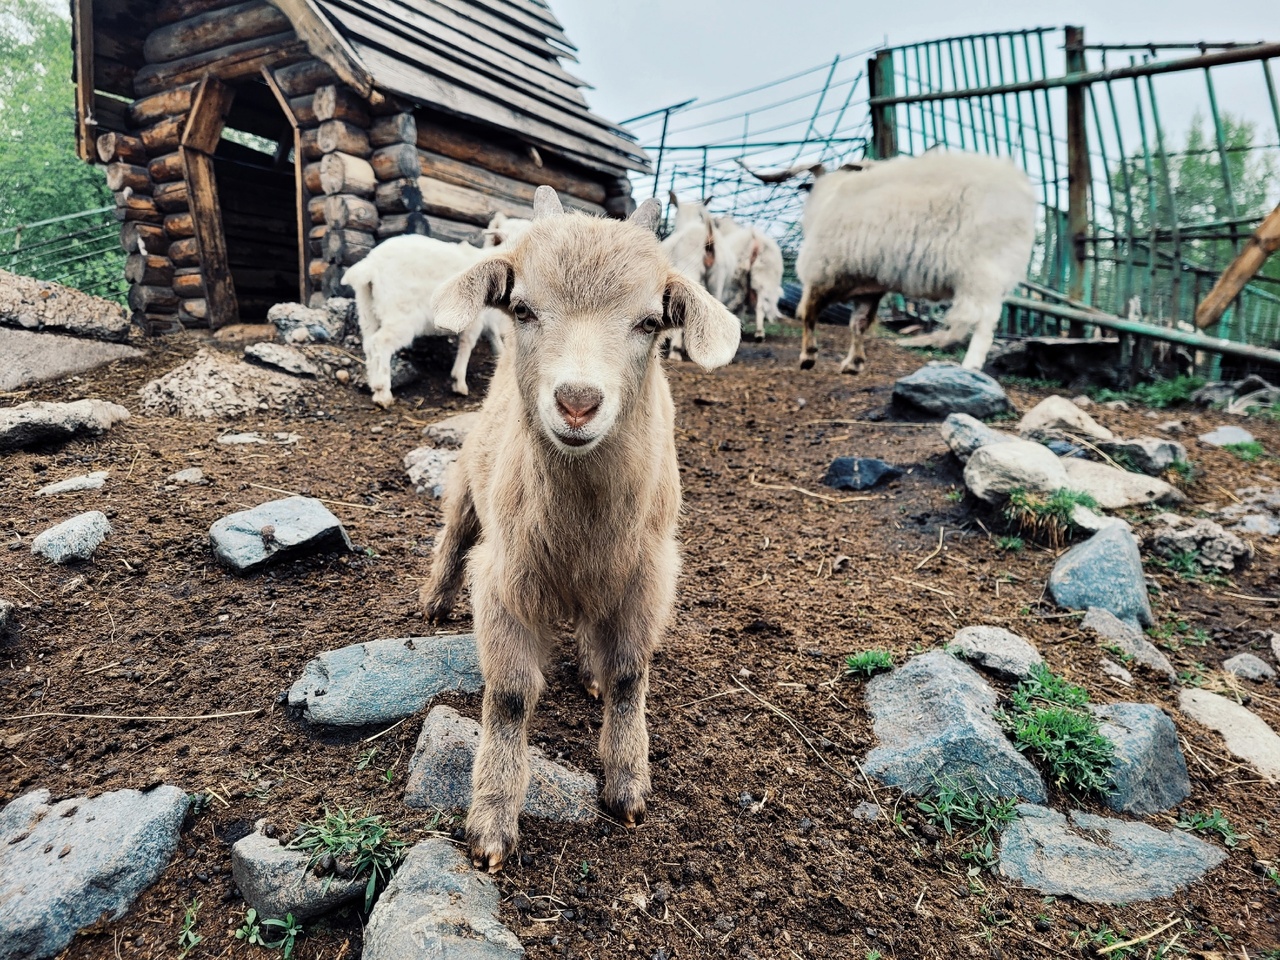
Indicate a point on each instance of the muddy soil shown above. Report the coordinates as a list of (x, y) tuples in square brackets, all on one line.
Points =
[(751, 848)]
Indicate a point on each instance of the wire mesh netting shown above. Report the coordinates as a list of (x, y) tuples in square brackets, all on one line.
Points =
[(79, 250)]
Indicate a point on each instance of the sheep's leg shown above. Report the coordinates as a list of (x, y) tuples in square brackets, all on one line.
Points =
[(493, 333), (467, 341), (861, 317), (511, 660), (760, 312), (978, 315), (461, 531)]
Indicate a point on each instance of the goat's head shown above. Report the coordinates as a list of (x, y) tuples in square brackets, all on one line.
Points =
[(590, 299), (504, 231)]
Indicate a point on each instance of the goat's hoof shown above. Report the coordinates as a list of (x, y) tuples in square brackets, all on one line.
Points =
[(435, 608), (491, 843), (854, 368), (759, 338), (806, 363), (384, 400), (624, 797), (461, 389), (591, 685)]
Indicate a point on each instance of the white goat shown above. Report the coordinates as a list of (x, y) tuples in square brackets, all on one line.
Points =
[(504, 230), (746, 271), (940, 226), (563, 502), (691, 249)]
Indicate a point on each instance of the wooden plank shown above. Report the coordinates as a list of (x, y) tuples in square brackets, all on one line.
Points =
[(82, 40), (448, 170), (327, 44), (1264, 242), (110, 114), (214, 30), (171, 11), (226, 63), (473, 12), (302, 196), (536, 24), (211, 244), (112, 76), (209, 108)]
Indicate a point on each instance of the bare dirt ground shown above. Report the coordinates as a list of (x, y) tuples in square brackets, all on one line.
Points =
[(748, 694)]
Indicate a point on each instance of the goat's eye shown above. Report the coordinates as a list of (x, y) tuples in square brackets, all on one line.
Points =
[(520, 310), (648, 326)]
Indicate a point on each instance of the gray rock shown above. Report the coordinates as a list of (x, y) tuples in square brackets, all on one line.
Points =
[(315, 323), (965, 434), (65, 865), (1115, 489), (450, 432), (997, 469), (285, 358), (1101, 860), (74, 539), (385, 680), (211, 385), (933, 720), (343, 316), (865, 810), (1214, 548), (1171, 426), (1245, 734), (440, 773), (37, 423), (1104, 571), (1129, 640), (39, 357), (88, 481), (1148, 455), (945, 388), (41, 305), (274, 530), (1057, 417), (1091, 522), (8, 617), (1249, 667), (1274, 639), (189, 475), (1149, 773), (996, 649), (428, 467), (438, 907), (1254, 510), (1115, 671), (277, 881), (1227, 435), (253, 436), (859, 473)]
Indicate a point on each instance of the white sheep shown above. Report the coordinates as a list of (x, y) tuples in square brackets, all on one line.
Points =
[(747, 271), (563, 503), (940, 226), (690, 248)]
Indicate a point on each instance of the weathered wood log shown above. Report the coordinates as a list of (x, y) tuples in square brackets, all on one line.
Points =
[(151, 299), (509, 162), (194, 312), (347, 246), (236, 62), (338, 136), (304, 110), (446, 169), (122, 175), (315, 270), (209, 109), (210, 240), (341, 212), (343, 173), (188, 283), (333, 102), (620, 207), (315, 209), (401, 223), (122, 148), (179, 225), (397, 128), (150, 269), (311, 178), (171, 11), (112, 76), (469, 206), (135, 206), (139, 237), (310, 144), (395, 162), (303, 78), (315, 239), (1264, 242), (164, 136), (399, 196), (165, 169), (452, 231), (212, 30), (171, 197), (185, 253), (384, 105), (167, 103)]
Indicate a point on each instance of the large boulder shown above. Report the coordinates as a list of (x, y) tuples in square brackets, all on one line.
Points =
[(64, 866), (1248, 666), (282, 357), (277, 881), (1149, 773), (997, 469), (211, 384), (944, 388), (1246, 735), (1214, 548), (40, 305), (37, 423), (450, 432), (965, 434), (1104, 571), (933, 719), (75, 539), (1115, 489), (1149, 455), (276, 530), (995, 649), (1057, 417)]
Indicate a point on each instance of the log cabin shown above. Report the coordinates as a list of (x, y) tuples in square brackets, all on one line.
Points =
[(257, 149)]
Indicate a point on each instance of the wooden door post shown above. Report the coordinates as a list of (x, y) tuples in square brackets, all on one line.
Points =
[(200, 136)]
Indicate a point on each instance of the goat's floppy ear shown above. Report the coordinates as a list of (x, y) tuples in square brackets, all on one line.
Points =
[(647, 215), (546, 203), (674, 200), (711, 333), (457, 304)]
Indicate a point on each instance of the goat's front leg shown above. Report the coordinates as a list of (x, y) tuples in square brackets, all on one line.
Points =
[(861, 317), (511, 660), (810, 306), (760, 310), (467, 341)]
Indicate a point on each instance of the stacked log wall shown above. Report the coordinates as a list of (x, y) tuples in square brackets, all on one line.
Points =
[(348, 218)]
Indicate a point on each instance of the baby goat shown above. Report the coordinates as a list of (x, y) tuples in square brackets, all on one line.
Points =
[(563, 502)]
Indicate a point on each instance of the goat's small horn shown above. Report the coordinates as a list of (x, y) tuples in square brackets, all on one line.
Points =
[(674, 200), (647, 215), (546, 203)]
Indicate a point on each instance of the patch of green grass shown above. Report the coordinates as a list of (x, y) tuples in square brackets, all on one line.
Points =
[(955, 496), (365, 758), (188, 939), (1030, 383), (1011, 544), (1248, 452), (1186, 565), (972, 812), (1273, 875), (1215, 822), (197, 803), (868, 662), (1047, 721), (1181, 471), (1175, 634), (1044, 686), (1158, 393), (252, 932), (364, 843), (1102, 938), (1196, 676), (1048, 518)]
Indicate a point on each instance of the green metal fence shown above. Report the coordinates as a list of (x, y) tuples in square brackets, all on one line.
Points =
[(79, 250)]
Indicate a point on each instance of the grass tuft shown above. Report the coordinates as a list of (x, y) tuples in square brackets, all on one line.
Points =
[(1215, 822), (1048, 518), (1248, 452), (868, 663), (361, 843), (1011, 544), (1159, 393)]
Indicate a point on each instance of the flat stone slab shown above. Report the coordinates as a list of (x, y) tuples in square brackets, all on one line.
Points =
[(1101, 860), (859, 473), (189, 475), (38, 357), (450, 432), (944, 388), (88, 481), (964, 434), (1246, 734), (277, 881), (37, 423), (1149, 455), (1149, 773), (75, 539), (438, 907), (385, 680), (1249, 667), (1130, 641), (933, 721), (41, 305), (284, 358), (997, 469), (428, 467), (1055, 417), (211, 384), (1105, 572), (64, 865), (276, 530), (1115, 489), (1224, 436), (440, 773), (995, 649)]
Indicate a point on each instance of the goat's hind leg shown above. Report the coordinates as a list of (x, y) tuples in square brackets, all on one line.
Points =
[(461, 531), (861, 317)]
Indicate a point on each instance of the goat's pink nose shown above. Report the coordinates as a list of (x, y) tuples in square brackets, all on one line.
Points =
[(577, 404)]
